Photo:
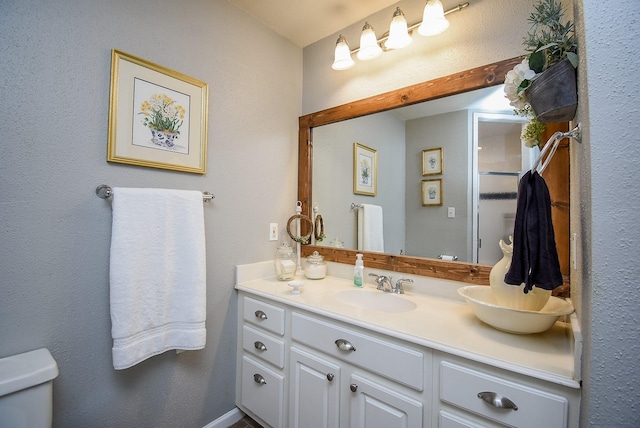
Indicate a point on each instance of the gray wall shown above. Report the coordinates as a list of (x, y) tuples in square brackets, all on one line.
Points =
[(333, 169), (605, 189), (609, 193), (55, 233), (429, 231)]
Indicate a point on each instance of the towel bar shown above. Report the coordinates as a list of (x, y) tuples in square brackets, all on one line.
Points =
[(105, 192)]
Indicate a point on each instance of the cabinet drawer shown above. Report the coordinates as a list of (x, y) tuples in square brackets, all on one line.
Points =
[(263, 346), (269, 317), (460, 386), (263, 392), (401, 364), (449, 420)]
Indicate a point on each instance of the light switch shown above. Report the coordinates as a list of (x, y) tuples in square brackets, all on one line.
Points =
[(451, 212)]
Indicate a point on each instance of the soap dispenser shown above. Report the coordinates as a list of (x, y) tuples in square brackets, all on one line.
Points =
[(358, 271)]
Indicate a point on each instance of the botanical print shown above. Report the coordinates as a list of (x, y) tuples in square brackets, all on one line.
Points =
[(432, 161), (161, 118), (365, 170), (432, 192)]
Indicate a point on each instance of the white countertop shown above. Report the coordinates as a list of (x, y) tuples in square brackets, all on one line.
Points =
[(441, 321)]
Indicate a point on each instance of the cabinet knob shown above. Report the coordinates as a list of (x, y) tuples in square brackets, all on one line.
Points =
[(353, 387), (344, 345), (261, 315), (260, 346), (330, 376), (497, 400), (257, 378)]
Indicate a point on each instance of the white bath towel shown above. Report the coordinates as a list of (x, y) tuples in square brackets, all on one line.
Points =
[(157, 273), (370, 230)]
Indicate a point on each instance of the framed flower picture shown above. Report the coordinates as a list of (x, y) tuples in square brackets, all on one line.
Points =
[(432, 161), (157, 117), (432, 193), (365, 170)]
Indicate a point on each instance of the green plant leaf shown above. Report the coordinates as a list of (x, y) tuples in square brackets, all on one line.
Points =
[(537, 61), (573, 58)]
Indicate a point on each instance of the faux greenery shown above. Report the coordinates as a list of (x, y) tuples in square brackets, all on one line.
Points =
[(549, 41)]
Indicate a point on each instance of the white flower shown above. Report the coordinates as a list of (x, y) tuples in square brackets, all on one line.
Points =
[(512, 82)]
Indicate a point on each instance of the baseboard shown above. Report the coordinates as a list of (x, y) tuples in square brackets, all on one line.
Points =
[(228, 419)]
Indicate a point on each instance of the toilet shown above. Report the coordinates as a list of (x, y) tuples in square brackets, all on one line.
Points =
[(26, 389)]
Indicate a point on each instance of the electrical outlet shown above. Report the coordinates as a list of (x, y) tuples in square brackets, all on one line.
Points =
[(273, 231), (451, 212)]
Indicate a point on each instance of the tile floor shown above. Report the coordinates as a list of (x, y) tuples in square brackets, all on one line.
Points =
[(246, 422)]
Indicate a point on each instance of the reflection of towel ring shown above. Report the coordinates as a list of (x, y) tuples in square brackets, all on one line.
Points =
[(304, 240), (318, 231)]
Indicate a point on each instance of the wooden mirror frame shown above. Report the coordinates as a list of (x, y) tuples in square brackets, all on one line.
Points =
[(465, 81)]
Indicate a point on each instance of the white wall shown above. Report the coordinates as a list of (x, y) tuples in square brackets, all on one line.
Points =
[(55, 232)]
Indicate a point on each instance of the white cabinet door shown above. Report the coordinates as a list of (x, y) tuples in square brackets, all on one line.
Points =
[(376, 406), (263, 391), (314, 392)]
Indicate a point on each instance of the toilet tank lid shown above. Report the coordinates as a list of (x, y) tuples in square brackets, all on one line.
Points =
[(23, 371)]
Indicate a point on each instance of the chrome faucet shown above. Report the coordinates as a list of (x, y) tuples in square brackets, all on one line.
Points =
[(384, 282), (399, 283)]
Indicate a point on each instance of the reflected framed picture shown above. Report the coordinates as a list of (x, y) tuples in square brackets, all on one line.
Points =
[(365, 170), (432, 161), (432, 193), (157, 116)]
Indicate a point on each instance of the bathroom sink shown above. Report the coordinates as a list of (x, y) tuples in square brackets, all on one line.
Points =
[(375, 300)]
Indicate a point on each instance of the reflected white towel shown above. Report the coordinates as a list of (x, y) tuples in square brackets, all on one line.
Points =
[(370, 231), (157, 273)]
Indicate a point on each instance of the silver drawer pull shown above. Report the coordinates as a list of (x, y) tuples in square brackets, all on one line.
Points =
[(497, 400), (330, 376), (257, 378), (344, 345), (353, 387), (261, 315), (260, 346)]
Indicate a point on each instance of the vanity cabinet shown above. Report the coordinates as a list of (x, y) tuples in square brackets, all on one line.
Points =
[(380, 381), (299, 368), (471, 394), (261, 377)]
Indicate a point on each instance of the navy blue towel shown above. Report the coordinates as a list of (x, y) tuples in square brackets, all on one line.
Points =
[(535, 257)]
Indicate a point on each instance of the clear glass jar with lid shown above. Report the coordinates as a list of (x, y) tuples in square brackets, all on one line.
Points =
[(285, 262), (315, 266)]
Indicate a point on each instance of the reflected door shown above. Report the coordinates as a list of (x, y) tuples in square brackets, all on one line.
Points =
[(501, 159)]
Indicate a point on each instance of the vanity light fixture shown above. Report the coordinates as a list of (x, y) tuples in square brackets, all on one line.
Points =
[(343, 60), (433, 20), (369, 47), (398, 32), (398, 36)]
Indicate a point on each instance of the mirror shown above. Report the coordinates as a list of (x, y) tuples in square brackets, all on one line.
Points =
[(470, 80), (476, 138)]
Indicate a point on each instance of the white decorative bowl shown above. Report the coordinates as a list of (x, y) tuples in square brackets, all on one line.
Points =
[(483, 304)]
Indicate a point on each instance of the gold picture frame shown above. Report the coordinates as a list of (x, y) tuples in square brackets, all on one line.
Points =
[(432, 161), (432, 193), (365, 170), (157, 116)]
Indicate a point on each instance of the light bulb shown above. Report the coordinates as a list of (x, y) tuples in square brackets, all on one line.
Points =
[(398, 33), (343, 60), (433, 20), (369, 48)]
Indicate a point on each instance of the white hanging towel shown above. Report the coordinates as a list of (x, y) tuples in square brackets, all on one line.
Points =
[(370, 231), (157, 273)]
